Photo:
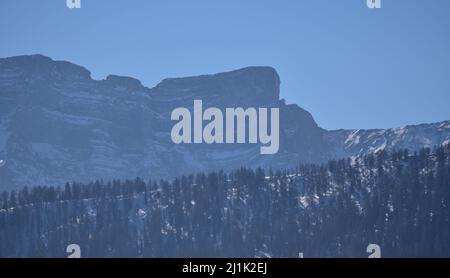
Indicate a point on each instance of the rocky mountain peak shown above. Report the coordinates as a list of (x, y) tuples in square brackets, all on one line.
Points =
[(125, 82), (250, 86), (58, 125), (42, 67)]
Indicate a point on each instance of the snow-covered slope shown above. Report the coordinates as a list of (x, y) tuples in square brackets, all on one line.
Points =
[(347, 143)]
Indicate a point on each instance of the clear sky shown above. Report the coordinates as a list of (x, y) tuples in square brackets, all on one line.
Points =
[(350, 66)]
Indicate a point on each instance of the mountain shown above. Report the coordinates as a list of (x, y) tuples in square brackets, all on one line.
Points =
[(350, 143), (398, 201), (57, 124)]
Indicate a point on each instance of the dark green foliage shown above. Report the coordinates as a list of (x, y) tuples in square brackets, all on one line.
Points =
[(397, 200)]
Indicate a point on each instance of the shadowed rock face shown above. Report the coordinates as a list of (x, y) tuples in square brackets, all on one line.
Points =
[(58, 125)]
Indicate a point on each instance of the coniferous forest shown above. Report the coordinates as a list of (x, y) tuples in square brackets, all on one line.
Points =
[(397, 200)]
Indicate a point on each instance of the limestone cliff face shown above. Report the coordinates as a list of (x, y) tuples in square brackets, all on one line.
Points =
[(57, 124)]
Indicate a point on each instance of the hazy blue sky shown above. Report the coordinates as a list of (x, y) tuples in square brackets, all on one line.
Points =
[(350, 66)]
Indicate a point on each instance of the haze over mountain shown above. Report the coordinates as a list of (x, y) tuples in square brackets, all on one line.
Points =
[(57, 124)]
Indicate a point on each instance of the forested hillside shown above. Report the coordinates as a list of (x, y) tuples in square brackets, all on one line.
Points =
[(397, 200)]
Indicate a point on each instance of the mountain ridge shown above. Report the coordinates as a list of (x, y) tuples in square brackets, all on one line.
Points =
[(57, 124)]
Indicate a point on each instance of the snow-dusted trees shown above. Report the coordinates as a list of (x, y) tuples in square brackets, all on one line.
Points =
[(398, 200)]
